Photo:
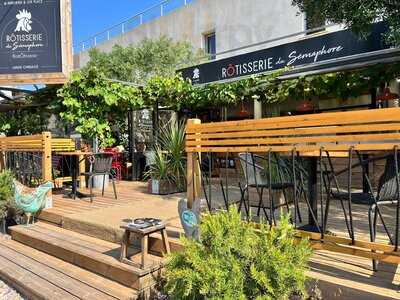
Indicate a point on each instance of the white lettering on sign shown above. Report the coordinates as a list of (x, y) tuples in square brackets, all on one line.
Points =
[(295, 57), (263, 65), (247, 68)]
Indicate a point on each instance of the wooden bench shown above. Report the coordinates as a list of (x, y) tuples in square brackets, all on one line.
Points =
[(366, 130)]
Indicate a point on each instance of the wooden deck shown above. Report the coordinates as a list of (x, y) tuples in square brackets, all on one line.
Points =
[(339, 276), (42, 276), (107, 213)]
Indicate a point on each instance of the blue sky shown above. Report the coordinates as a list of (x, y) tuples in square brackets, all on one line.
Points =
[(92, 16)]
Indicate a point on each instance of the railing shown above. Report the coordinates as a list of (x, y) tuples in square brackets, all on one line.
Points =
[(313, 139), (32, 155), (135, 21)]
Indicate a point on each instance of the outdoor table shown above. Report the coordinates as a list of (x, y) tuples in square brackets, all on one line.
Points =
[(74, 171), (312, 188), (144, 241)]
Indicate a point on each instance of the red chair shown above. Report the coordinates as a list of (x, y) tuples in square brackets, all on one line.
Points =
[(117, 161)]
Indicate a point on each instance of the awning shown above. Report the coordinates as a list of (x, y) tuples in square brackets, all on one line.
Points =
[(330, 52)]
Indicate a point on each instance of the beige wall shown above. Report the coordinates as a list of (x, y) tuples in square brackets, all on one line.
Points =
[(236, 23)]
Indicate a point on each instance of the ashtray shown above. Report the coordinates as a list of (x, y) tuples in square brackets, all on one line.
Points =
[(144, 222)]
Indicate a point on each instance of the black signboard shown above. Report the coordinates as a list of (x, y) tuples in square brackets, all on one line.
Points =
[(30, 36), (307, 52)]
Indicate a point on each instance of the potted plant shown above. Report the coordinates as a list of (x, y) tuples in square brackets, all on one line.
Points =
[(172, 140), (161, 180), (168, 168)]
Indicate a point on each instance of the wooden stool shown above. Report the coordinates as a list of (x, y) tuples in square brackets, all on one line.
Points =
[(144, 241)]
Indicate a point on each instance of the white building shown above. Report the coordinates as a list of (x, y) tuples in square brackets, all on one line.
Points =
[(222, 28), (216, 26)]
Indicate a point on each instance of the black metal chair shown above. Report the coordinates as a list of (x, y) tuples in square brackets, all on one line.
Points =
[(256, 177), (100, 165), (387, 193)]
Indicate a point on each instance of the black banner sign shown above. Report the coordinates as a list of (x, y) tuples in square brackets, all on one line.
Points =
[(311, 51), (30, 36)]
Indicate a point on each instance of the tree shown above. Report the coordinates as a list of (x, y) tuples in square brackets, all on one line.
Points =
[(358, 15), (93, 104), (149, 58)]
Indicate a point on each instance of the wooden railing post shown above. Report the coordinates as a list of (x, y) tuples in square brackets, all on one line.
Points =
[(46, 159), (193, 172), (2, 154), (82, 169)]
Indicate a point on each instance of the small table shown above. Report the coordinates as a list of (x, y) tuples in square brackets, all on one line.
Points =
[(144, 241), (74, 171)]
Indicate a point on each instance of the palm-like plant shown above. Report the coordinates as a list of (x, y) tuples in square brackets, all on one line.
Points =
[(159, 169), (172, 141)]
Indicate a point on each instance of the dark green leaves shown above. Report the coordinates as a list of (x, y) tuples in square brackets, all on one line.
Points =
[(357, 14)]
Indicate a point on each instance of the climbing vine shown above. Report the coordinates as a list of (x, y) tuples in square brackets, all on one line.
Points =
[(93, 103)]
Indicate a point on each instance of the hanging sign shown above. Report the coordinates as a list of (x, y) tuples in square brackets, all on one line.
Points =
[(306, 52), (35, 41)]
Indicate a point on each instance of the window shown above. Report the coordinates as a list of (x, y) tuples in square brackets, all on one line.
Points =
[(210, 45)]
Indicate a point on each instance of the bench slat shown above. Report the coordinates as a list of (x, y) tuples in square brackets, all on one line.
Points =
[(299, 140), (324, 119), (378, 127)]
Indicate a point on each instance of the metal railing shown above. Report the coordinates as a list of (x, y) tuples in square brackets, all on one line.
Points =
[(148, 15)]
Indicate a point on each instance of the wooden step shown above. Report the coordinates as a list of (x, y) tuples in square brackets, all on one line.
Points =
[(37, 275), (92, 254)]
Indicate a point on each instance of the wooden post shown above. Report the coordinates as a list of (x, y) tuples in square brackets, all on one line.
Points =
[(82, 169), (193, 172), (46, 159), (2, 154)]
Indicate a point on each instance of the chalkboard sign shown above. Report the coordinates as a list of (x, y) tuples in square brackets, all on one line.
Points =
[(35, 41)]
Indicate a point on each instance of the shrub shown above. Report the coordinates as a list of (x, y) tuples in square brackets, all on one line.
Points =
[(6, 192), (235, 261)]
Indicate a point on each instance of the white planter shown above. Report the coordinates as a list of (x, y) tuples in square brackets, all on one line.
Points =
[(155, 186), (98, 181)]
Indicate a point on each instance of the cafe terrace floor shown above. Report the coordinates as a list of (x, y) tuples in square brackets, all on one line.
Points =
[(339, 275)]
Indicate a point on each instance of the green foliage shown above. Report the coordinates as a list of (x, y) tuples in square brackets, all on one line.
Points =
[(24, 122), (159, 168), (6, 192), (358, 15), (32, 115), (167, 91), (233, 261), (93, 103), (170, 157), (140, 62), (172, 141)]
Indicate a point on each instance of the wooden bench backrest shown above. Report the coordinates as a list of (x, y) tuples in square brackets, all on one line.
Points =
[(365, 130)]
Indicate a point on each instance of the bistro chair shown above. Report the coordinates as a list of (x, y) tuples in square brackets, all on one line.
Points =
[(257, 177), (209, 165), (100, 165), (386, 194)]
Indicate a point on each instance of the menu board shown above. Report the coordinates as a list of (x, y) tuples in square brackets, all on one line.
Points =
[(31, 37)]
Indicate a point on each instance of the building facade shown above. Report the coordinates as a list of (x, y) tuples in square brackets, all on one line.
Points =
[(216, 26)]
